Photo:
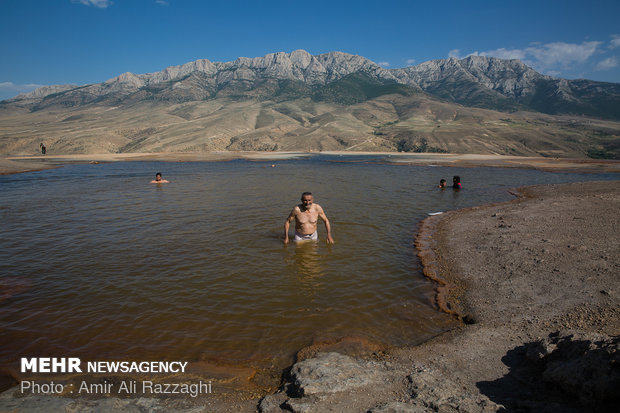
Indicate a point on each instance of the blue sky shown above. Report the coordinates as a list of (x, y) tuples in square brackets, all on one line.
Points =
[(48, 42)]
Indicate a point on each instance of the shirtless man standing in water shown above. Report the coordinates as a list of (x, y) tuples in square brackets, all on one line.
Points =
[(306, 216)]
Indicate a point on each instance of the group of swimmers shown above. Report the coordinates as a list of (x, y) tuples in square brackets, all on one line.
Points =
[(456, 183), (306, 215)]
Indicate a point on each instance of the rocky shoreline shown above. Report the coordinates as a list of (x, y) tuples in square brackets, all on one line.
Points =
[(537, 282)]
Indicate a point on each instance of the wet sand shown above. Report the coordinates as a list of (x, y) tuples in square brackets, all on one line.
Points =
[(515, 272)]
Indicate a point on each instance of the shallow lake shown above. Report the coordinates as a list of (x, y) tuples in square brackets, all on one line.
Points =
[(97, 263)]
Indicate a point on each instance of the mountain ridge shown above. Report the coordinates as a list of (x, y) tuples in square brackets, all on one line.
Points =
[(297, 65), (477, 81)]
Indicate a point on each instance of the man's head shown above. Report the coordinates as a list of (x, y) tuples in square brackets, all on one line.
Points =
[(307, 199), (158, 176)]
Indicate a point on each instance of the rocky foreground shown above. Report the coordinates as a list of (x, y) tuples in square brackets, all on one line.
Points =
[(537, 281)]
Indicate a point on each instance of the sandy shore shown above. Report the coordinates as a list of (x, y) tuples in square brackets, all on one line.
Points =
[(16, 164), (546, 263)]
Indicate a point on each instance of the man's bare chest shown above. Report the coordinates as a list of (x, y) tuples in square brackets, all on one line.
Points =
[(307, 216)]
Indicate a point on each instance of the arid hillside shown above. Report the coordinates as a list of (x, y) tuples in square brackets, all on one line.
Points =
[(413, 122)]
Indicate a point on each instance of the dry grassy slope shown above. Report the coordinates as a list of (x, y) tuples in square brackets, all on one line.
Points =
[(388, 123)]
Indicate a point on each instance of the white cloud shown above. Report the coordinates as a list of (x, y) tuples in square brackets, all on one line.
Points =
[(162, 2), (384, 64), (615, 41), (563, 54), (10, 86), (608, 63), (549, 58), (410, 61), (505, 53), (102, 4), (455, 53), (10, 89)]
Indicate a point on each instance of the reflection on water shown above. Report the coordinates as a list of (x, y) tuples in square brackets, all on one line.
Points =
[(97, 263), (306, 261)]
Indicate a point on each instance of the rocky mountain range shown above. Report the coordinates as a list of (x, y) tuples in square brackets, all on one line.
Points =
[(474, 81), (295, 91)]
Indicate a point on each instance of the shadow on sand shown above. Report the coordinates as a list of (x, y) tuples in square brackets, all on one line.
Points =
[(560, 374)]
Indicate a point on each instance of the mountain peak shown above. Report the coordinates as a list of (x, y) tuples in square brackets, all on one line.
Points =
[(301, 58)]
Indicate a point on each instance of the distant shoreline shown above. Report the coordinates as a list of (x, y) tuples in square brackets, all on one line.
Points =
[(27, 163)]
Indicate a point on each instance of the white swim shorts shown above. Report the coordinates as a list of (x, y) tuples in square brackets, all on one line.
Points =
[(306, 237)]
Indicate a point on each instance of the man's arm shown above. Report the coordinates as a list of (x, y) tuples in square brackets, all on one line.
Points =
[(328, 227), (287, 224)]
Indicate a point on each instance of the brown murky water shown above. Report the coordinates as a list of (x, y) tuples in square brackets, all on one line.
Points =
[(97, 263)]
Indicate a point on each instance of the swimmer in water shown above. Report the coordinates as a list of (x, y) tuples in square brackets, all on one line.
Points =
[(456, 182), (442, 184), (306, 216), (158, 179)]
